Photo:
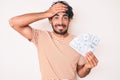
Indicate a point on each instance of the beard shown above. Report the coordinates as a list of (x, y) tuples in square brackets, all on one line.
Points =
[(61, 32)]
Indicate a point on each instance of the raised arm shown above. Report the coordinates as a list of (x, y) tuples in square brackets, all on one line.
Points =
[(21, 23)]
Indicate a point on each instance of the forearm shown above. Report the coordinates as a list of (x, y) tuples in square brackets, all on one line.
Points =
[(84, 71), (26, 19)]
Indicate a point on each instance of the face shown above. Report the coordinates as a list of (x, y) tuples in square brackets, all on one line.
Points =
[(60, 23)]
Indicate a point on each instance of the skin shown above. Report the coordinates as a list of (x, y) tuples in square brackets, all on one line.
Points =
[(60, 22)]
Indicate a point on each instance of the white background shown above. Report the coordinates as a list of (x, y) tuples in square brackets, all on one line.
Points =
[(18, 57)]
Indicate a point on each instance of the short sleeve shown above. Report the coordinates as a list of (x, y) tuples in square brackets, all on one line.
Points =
[(81, 60)]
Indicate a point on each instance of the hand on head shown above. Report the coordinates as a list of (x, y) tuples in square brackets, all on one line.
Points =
[(56, 8)]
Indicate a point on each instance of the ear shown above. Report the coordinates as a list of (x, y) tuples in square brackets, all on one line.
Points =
[(70, 20)]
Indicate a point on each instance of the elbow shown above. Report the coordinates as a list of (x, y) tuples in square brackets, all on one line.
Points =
[(11, 22)]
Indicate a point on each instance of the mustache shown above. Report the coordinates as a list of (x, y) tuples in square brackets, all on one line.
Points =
[(61, 25)]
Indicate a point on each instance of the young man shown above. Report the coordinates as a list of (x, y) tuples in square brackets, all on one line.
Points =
[(58, 61)]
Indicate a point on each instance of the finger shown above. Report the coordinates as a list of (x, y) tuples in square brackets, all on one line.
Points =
[(56, 6), (60, 4), (88, 64), (88, 59), (59, 7), (61, 10), (92, 59)]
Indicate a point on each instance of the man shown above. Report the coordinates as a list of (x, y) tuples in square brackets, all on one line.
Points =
[(58, 61)]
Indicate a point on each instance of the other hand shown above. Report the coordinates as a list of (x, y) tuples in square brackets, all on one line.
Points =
[(91, 60)]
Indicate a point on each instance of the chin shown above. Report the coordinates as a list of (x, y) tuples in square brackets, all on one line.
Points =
[(60, 32)]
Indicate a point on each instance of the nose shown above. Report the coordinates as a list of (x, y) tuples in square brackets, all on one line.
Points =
[(60, 21)]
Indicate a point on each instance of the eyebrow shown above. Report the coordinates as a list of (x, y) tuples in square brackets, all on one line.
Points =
[(63, 15)]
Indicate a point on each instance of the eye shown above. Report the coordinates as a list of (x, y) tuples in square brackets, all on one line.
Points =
[(65, 17), (56, 17)]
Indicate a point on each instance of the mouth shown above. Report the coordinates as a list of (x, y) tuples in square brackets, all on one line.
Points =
[(60, 27)]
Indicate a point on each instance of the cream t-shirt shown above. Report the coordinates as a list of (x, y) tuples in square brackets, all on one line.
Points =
[(58, 61)]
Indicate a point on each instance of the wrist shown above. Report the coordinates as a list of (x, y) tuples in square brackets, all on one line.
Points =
[(48, 14), (42, 15)]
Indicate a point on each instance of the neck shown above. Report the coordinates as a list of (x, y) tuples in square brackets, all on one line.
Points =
[(61, 35)]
